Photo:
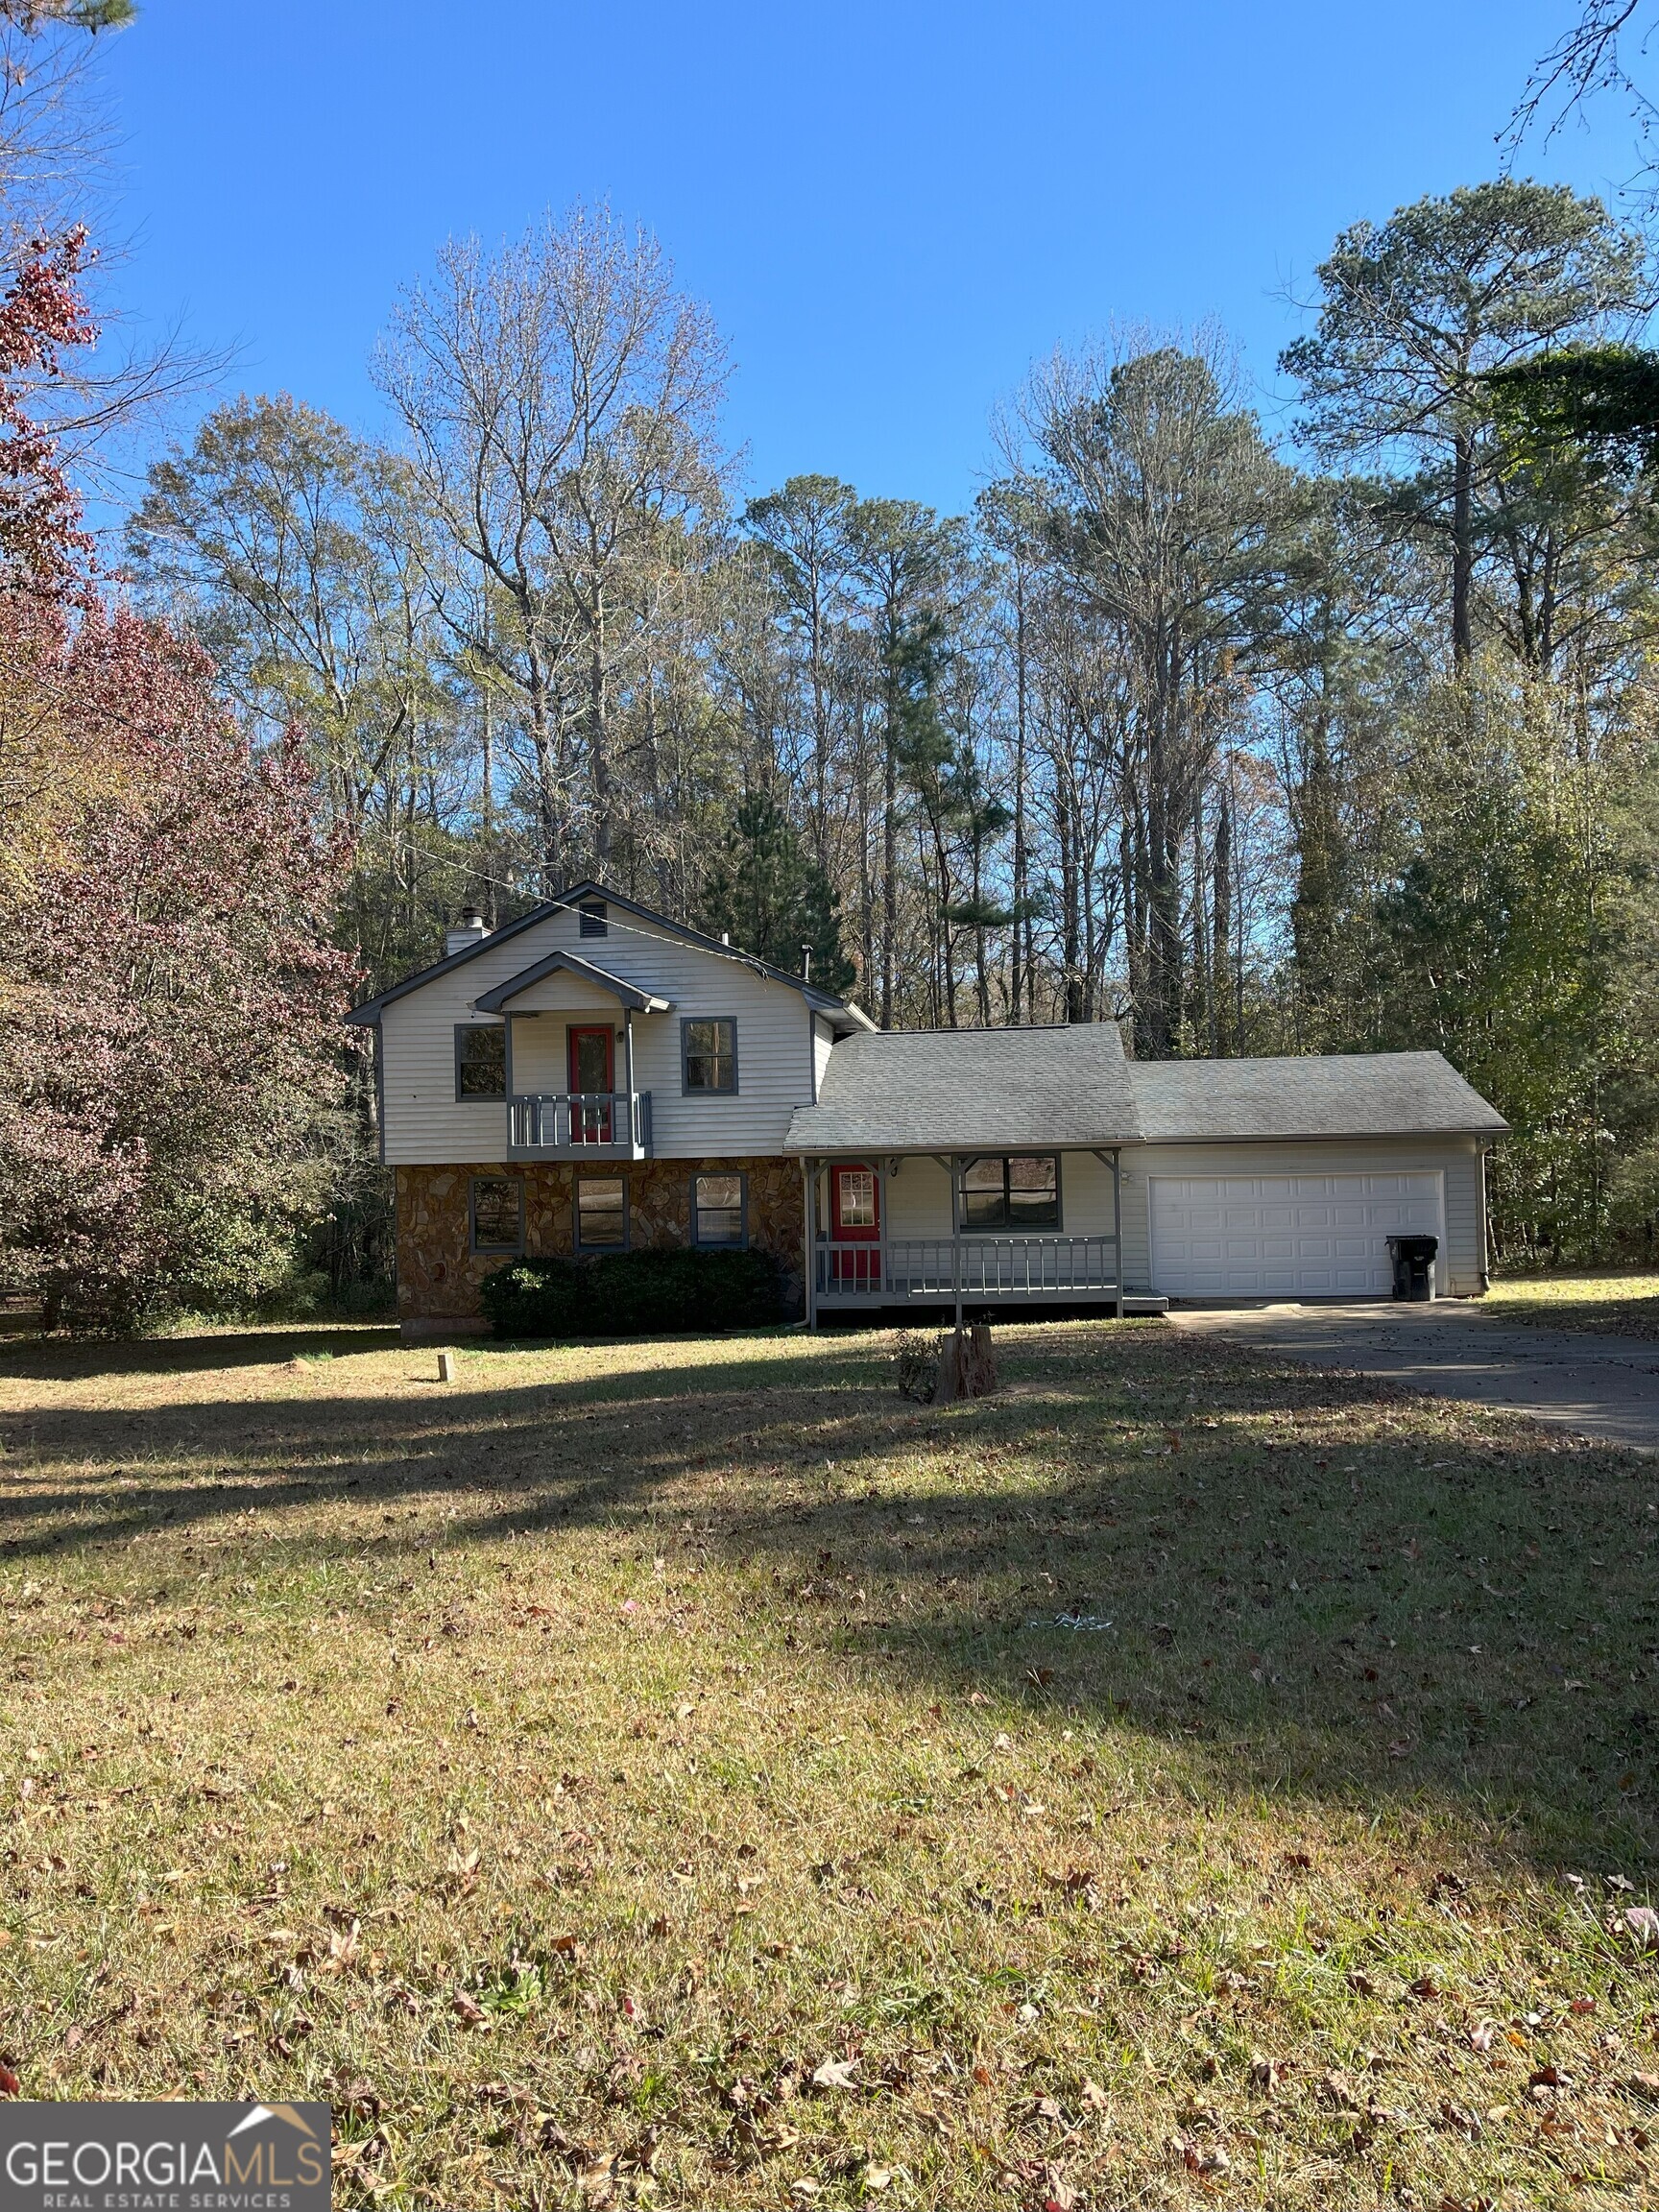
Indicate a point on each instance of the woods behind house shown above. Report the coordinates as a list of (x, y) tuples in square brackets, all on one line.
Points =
[(1257, 739)]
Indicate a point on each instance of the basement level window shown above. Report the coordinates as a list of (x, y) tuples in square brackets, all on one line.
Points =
[(717, 1211), (497, 1214), (601, 1213), (592, 919)]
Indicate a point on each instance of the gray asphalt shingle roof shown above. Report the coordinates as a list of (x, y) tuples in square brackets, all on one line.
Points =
[(1007, 1089), (970, 1091), (1334, 1095)]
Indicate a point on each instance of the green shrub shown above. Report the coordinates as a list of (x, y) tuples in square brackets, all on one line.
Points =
[(634, 1294)]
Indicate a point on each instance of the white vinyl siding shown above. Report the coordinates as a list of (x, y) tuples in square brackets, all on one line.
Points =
[(917, 1198), (425, 1126), (1456, 1161)]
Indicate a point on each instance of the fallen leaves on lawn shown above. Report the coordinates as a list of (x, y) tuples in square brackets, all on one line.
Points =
[(1339, 2091)]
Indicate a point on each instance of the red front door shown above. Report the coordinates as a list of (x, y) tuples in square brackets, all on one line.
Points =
[(855, 1222), (591, 1085)]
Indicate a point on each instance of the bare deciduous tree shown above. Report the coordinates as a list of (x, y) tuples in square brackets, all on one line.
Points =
[(559, 400), (1167, 513)]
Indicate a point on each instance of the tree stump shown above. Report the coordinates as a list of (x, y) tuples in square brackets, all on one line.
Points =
[(967, 1364)]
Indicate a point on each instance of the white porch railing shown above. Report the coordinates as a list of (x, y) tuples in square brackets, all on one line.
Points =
[(990, 1267), (580, 1124)]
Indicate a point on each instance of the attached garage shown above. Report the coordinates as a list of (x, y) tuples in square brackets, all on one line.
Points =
[(1286, 1178), (1176, 1179), (1288, 1235)]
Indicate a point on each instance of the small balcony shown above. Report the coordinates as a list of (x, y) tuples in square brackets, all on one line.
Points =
[(580, 1126)]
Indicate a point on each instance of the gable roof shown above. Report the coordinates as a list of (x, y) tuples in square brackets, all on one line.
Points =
[(970, 1091), (632, 995), (1329, 1094), (1032, 1090), (841, 1011)]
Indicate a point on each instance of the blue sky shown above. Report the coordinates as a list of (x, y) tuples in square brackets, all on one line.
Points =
[(892, 210)]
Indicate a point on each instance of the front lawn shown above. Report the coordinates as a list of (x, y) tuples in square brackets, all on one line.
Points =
[(688, 1774), (1623, 1303)]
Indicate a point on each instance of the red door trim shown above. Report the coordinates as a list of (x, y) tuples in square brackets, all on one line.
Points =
[(859, 1269), (591, 1126)]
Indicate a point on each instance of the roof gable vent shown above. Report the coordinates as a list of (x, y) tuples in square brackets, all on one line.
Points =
[(592, 922)]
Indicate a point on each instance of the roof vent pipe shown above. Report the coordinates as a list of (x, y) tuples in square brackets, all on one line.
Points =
[(805, 963), (469, 932)]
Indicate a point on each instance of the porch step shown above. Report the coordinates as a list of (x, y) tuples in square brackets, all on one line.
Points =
[(1144, 1302)]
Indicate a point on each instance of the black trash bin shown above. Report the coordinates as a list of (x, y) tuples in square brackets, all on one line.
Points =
[(1413, 1259)]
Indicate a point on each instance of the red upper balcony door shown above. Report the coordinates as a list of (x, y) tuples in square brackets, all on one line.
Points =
[(591, 1082), (856, 1217)]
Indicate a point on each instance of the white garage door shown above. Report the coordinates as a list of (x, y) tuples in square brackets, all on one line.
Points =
[(1286, 1235)]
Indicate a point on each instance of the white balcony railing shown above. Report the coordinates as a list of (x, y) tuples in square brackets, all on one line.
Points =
[(580, 1124), (979, 1267)]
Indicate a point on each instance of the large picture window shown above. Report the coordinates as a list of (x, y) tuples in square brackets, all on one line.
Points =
[(708, 1056), (717, 1211), (601, 1213), (497, 1214), (1018, 1191), (481, 1060)]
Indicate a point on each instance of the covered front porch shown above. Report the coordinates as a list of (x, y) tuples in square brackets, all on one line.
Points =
[(960, 1229)]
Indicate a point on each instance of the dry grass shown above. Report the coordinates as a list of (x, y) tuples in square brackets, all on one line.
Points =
[(1178, 1780), (1620, 1303)]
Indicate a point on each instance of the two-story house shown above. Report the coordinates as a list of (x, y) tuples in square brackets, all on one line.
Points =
[(597, 1077)]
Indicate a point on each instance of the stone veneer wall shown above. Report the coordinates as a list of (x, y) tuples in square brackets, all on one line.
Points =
[(439, 1274)]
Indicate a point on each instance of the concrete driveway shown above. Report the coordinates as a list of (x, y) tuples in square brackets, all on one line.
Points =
[(1601, 1387)]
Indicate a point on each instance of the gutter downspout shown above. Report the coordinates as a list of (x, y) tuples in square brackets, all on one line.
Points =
[(1485, 1238)]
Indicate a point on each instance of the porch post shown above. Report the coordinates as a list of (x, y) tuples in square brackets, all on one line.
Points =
[(809, 1229), (886, 1185), (957, 1232), (627, 1070), (1118, 1227), (507, 1077)]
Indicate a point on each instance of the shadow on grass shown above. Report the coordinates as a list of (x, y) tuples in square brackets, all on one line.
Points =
[(68, 1359), (1285, 1580)]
